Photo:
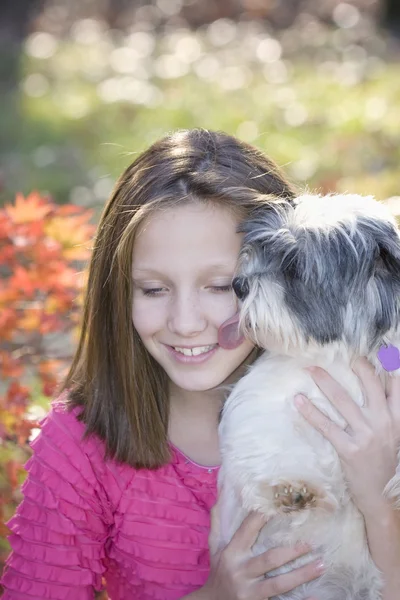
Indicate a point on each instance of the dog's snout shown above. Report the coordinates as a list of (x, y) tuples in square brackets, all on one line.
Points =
[(241, 287)]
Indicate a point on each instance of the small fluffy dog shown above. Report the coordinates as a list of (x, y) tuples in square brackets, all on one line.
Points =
[(319, 284)]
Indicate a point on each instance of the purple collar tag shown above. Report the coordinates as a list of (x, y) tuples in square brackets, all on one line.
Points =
[(389, 357)]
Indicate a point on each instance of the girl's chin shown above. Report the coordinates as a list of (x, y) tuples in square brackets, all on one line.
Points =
[(191, 385)]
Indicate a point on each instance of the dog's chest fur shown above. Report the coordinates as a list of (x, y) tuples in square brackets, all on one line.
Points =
[(274, 461)]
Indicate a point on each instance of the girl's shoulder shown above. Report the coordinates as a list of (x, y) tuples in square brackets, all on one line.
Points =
[(62, 429), (62, 446)]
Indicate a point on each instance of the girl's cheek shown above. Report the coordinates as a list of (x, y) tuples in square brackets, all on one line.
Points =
[(221, 307), (146, 317)]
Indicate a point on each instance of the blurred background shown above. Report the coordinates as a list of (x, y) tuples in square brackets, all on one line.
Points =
[(86, 85)]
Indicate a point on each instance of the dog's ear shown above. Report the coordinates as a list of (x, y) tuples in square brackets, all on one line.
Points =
[(384, 283), (389, 254), (266, 220), (387, 239)]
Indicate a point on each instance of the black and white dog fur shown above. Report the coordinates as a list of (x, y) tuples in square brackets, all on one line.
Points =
[(319, 283)]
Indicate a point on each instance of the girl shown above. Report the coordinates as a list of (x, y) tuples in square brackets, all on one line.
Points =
[(123, 475)]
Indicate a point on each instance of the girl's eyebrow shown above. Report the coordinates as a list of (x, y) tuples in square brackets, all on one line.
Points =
[(146, 270), (140, 276), (212, 267)]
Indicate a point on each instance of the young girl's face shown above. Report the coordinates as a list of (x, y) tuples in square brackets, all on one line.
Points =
[(183, 263)]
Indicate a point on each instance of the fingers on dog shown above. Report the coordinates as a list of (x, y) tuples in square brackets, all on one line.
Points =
[(330, 430), (287, 582), (337, 394), (275, 558), (393, 388), (370, 383), (246, 535), (394, 402)]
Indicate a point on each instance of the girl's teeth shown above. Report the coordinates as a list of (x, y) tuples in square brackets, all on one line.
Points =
[(194, 351)]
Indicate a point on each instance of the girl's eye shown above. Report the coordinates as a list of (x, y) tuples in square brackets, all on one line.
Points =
[(152, 291), (221, 288), (160, 290)]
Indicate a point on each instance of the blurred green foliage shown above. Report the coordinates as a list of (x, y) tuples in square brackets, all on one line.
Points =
[(322, 101)]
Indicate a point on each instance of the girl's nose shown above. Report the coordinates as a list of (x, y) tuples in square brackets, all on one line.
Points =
[(186, 317)]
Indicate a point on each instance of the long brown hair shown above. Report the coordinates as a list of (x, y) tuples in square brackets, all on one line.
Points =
[(121, 388)]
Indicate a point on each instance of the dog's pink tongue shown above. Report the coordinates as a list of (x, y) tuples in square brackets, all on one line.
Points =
[(229, 336)]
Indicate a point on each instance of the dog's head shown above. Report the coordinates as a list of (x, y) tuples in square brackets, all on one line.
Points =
[(319, 270)]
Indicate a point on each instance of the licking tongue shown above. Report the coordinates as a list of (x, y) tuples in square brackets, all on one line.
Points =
[(229, 336)]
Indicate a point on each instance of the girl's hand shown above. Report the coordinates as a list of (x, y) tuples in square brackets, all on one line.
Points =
[(368, 447), (238, 575)]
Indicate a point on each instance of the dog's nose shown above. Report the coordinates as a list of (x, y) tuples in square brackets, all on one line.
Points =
[(240, 287)]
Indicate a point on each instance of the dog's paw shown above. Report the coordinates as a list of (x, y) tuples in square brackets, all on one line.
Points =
[(289, 497)]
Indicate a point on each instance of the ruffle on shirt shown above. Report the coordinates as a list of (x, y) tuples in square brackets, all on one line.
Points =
[(184, 557), (49, 573), (82, 554), (199, 480), (28, 589), (160, 542), (61, 526)]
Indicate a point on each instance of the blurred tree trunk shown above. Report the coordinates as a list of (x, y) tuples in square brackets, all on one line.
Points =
[(15, 19), (391, 15), (115, 9)]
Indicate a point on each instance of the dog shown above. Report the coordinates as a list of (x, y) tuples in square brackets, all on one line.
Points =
[(318, 281)]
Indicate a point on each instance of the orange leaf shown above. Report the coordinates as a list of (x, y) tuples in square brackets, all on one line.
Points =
[(33, 232), (22, 280), (7, 254), (48, 250), (68, 209), (7, 318), (49, 388), (17, 395), (7, 296), (9, 366), (5, 225), (77, 253), (30, 320), (63, 278), (51, 305), (32, 208), (49, 367), (71, 231), (11, 469)]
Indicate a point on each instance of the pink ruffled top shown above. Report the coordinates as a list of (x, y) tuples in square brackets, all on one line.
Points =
[(83, 519)]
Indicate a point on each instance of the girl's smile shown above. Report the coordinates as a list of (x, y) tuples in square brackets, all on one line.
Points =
[(192, 354)]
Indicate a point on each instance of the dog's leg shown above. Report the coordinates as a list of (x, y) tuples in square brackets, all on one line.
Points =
[(290, 496), (294, 496)]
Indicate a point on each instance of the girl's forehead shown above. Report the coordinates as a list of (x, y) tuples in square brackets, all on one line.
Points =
[(204, 219), (188, 233)]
